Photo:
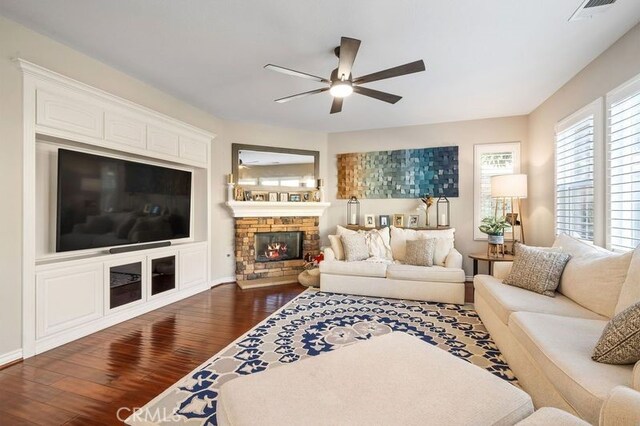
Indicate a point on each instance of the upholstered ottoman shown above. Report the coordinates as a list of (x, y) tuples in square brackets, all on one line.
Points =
[(395, 379)]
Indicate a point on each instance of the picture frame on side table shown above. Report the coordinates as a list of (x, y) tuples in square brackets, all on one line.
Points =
[(384, 220), (398, 220), (284, 196), (369, 221), (413, 221), (273, 196)]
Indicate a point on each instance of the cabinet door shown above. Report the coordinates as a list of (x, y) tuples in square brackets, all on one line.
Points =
[(68, 297), (125, 130), (125, 283), (66, 113), (162, 141), (193, 267), (192, 149)]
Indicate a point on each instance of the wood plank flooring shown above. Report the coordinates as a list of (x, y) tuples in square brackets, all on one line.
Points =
[(85, 382)]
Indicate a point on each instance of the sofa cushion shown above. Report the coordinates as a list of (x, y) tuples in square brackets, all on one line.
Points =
[(420, 252), (630, 291), (441, 274), (620, 340), (537, 269), (444, 243), (594, 276), (547, 416), (336, 246), (561, 347), (361, 268), (378, 241), (505, 300)]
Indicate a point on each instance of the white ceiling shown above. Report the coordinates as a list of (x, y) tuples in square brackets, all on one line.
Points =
[(484, 58)]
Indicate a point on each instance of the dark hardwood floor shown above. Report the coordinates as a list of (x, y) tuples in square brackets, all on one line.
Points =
[(85, 382)]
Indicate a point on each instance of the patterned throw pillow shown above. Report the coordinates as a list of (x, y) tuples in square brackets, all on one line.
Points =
[(620, 340), (537, 269), (420, 252), (355, 247)]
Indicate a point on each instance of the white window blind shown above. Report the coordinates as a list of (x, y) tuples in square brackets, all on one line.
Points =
[(575, 177), (623, 168)]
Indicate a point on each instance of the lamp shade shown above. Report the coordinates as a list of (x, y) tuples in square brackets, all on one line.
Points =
[(509, 186)]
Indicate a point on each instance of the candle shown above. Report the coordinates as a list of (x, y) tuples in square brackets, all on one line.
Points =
[(353, 219), (230, 178), (443, 219)]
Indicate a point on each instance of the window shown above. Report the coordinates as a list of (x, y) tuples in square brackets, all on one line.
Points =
[(491, 160), (623, 167), (577, 140)]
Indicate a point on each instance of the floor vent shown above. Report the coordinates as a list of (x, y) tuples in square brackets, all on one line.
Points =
[(589, 8)]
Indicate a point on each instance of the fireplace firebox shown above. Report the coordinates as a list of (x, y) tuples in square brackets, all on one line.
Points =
[(278, 246)]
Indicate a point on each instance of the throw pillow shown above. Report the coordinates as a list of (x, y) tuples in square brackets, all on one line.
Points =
[(355, 247), (444, 243), (620, 340), (336, 246), (594, 276), (420, 252), (378, 241), (630, 292), (537, 269)]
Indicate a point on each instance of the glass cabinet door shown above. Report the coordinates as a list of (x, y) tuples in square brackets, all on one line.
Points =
[(163, 274), (125, 284)]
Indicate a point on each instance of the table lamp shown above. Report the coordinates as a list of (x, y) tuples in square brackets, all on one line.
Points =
[(510, 186)]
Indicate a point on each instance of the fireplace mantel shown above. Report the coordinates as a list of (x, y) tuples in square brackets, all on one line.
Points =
[(276, 208)]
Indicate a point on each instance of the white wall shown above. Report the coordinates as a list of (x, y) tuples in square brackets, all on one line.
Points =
[(612, 68), (18, 41), (465, 134)]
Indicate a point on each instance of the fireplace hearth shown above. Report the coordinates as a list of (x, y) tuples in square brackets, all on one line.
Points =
[(278, 246)]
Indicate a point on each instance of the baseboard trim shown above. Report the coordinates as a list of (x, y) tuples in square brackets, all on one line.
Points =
[(223, 280), (10, 358)]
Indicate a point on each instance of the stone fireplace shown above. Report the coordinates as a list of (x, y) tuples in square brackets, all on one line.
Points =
[(271, 250)]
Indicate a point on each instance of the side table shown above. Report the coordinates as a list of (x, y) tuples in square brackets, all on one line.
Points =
[(490, 259)]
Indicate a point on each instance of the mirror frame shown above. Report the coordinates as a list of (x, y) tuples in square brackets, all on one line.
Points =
[(237, 147)]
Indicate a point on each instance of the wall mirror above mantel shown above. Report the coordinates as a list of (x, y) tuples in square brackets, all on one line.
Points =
[(265, 167)]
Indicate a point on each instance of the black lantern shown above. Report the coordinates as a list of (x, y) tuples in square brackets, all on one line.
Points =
[(442, 212), (353, 211)]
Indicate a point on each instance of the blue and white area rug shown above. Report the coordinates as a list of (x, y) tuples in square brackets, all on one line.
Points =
[(317, 322)]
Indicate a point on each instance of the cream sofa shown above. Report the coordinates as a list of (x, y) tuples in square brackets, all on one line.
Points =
[(385, 275), (548, 341)]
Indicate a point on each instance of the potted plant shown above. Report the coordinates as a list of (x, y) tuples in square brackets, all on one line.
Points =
[(494, 228)]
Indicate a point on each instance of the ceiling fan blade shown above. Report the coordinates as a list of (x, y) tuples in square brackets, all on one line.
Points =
[(405, 69), (336, 105), (295, 73), (348, 51), (301, 95), (382, 96)]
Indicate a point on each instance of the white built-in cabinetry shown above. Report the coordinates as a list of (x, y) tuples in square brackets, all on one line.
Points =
[(69, 295)]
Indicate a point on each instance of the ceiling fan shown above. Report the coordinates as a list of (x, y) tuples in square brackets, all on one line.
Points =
[(342, 84)]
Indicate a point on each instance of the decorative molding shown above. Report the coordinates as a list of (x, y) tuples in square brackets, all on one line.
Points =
[(10, 357), (223, 280), (276, 208)]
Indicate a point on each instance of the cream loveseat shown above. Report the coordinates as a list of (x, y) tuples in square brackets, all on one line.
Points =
[(385, 275), (548, 341)]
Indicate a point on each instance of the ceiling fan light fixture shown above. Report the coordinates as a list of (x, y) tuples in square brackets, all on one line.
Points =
[(341, 89)]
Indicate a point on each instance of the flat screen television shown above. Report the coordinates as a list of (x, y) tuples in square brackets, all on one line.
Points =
[(105, 202)]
